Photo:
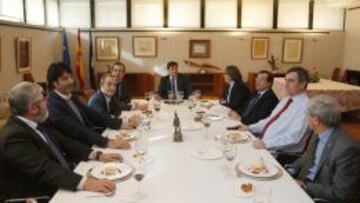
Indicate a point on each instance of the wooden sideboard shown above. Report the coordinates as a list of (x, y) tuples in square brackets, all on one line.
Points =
[(137, 83), (210, 84)]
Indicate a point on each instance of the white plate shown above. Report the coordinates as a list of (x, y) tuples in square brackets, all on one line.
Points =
[(121, 171), (232, 123), (237, 136), (193, 127), (239, 192), (246, 168), (125, 134), (207, 154), (213, 117)]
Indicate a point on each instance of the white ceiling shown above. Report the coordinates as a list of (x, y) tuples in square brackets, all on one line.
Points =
[(342, 3), (334, 3)]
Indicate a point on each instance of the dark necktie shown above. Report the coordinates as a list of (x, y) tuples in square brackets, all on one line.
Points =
[(75, 109), (53, 148), (251, 105), (173, 86), (275, 117), (120, 86)]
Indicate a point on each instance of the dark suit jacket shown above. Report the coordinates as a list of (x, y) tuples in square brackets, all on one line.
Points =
[(65, 120), (122, 96), (239, 95), (28, 167), (262, 109), (338, 178), (183, 84), (98, 103)]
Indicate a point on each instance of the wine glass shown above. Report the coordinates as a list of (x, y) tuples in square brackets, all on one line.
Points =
[(141, 146), (180, 95), (145, 123), (157, 105), (207, 123), (139, 175), (230, 153), (171, 95), (148, 96), (263, 194)]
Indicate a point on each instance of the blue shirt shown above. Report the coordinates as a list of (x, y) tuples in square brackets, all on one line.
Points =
[(287, 133), (323, 139)]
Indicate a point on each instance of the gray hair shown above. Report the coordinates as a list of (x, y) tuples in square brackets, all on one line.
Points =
[(22, 95), (326, 109)]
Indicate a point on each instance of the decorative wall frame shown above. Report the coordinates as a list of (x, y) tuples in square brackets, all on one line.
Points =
[(259, 48), (107, 48), (292, 50), (145, 46), (199, 49), (23, 54)]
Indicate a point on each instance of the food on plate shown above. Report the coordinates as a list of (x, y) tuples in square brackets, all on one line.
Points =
[(110, 171), (234, 136), (198, 117), (259, 167), (247, 187)]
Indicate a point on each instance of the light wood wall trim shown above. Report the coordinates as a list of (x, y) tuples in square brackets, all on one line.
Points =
[(28, 26)]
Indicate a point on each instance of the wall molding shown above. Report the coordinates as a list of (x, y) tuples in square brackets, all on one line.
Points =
[(266, 31), (28, 26)]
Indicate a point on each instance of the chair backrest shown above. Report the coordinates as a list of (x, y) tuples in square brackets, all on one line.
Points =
[(28, 77), (335, 76)]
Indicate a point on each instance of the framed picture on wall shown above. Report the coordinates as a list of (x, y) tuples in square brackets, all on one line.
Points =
[(145, 46), (292, 50), (23, 54), (199, 49), (107, 48), (259, 48)]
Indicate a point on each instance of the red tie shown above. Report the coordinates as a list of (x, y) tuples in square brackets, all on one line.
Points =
[(274, 118)]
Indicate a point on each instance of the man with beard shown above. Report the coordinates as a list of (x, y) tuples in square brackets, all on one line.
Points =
[(32, 153)]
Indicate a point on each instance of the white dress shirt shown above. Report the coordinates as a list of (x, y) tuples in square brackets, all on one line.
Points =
[(63, 96), (288, 131)]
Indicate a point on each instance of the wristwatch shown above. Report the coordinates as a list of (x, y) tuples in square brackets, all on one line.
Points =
[(97, 155)]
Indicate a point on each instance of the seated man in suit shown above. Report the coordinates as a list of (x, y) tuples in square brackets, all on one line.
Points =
[(236, 92), (103, 100), (32, 153), (329, 170), (174, 82), (122, 95), (260, 104), (285, 129), (69, 116)]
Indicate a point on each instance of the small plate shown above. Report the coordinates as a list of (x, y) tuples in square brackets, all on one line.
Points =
[(111, 171), (207, 154), (213, 117), (248, 169), (125, 134), (237, 136), (239, 188)]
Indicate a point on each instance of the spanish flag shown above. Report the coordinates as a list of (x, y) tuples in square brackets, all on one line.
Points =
[(79, 64)]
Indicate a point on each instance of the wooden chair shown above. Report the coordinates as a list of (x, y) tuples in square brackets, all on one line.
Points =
[(335, 76), (28, 77)]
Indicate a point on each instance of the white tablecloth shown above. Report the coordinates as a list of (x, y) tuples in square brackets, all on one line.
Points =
[(176, 177), (348, 96)]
